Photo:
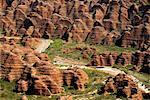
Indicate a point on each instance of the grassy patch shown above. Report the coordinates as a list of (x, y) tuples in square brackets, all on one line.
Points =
[(1, 31), (102, 97), (6, 92), (56, 49), (35, 97), (112, 49), (96, 75), (143, 77), (95, 83)]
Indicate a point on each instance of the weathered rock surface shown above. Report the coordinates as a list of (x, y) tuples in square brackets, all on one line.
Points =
[(142, 59), (139, 59), (75, 77), (121, 22), (124, 86), (125, 22), (34, 73)]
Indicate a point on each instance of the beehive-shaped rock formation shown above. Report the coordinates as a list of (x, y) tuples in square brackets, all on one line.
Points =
[(124, 86), (93, 21)]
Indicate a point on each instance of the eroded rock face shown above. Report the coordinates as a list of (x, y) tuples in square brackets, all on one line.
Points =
[(139, 60), (139, 32), (12, 63), (142, 59), (94, 21), (75, 77), (46, 84), (34, 73), (105, 59), (124, 86)]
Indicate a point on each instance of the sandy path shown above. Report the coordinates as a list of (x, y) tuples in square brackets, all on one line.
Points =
[(112, 71), (43, 45), (40, 48)]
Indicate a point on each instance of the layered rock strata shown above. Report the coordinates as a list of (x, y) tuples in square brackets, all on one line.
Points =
[(122, 22), (140, 60), (34, 73), (124, 86)]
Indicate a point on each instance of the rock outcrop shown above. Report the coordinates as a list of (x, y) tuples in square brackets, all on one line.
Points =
[(105, 59), (140, 60), (125, 23), (121, 22), (34, 73), (75, 77), (124, 86)]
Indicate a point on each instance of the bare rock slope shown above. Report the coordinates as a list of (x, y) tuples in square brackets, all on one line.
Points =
[(123, 22), (35, 74)]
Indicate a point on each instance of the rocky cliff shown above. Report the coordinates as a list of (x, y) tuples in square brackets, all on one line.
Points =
[(34, 73), (122, 22)]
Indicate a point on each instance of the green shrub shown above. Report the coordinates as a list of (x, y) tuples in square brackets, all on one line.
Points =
[(55, 48), (58, 43)]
